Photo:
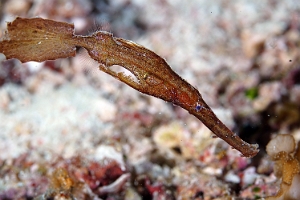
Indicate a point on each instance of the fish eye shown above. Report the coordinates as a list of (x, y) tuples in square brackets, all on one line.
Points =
[(198, 107)]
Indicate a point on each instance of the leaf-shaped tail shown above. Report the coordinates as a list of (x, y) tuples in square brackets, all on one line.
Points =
[(38, 39)]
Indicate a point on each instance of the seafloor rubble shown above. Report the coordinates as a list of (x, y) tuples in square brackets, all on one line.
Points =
[(70, 131)]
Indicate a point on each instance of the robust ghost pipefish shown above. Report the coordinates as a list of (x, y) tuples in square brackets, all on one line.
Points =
[(40, 39)]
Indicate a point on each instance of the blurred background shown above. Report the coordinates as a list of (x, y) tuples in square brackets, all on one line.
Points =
[(70, 131)]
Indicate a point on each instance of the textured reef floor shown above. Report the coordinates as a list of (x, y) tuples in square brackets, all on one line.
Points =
[(70, 131)]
